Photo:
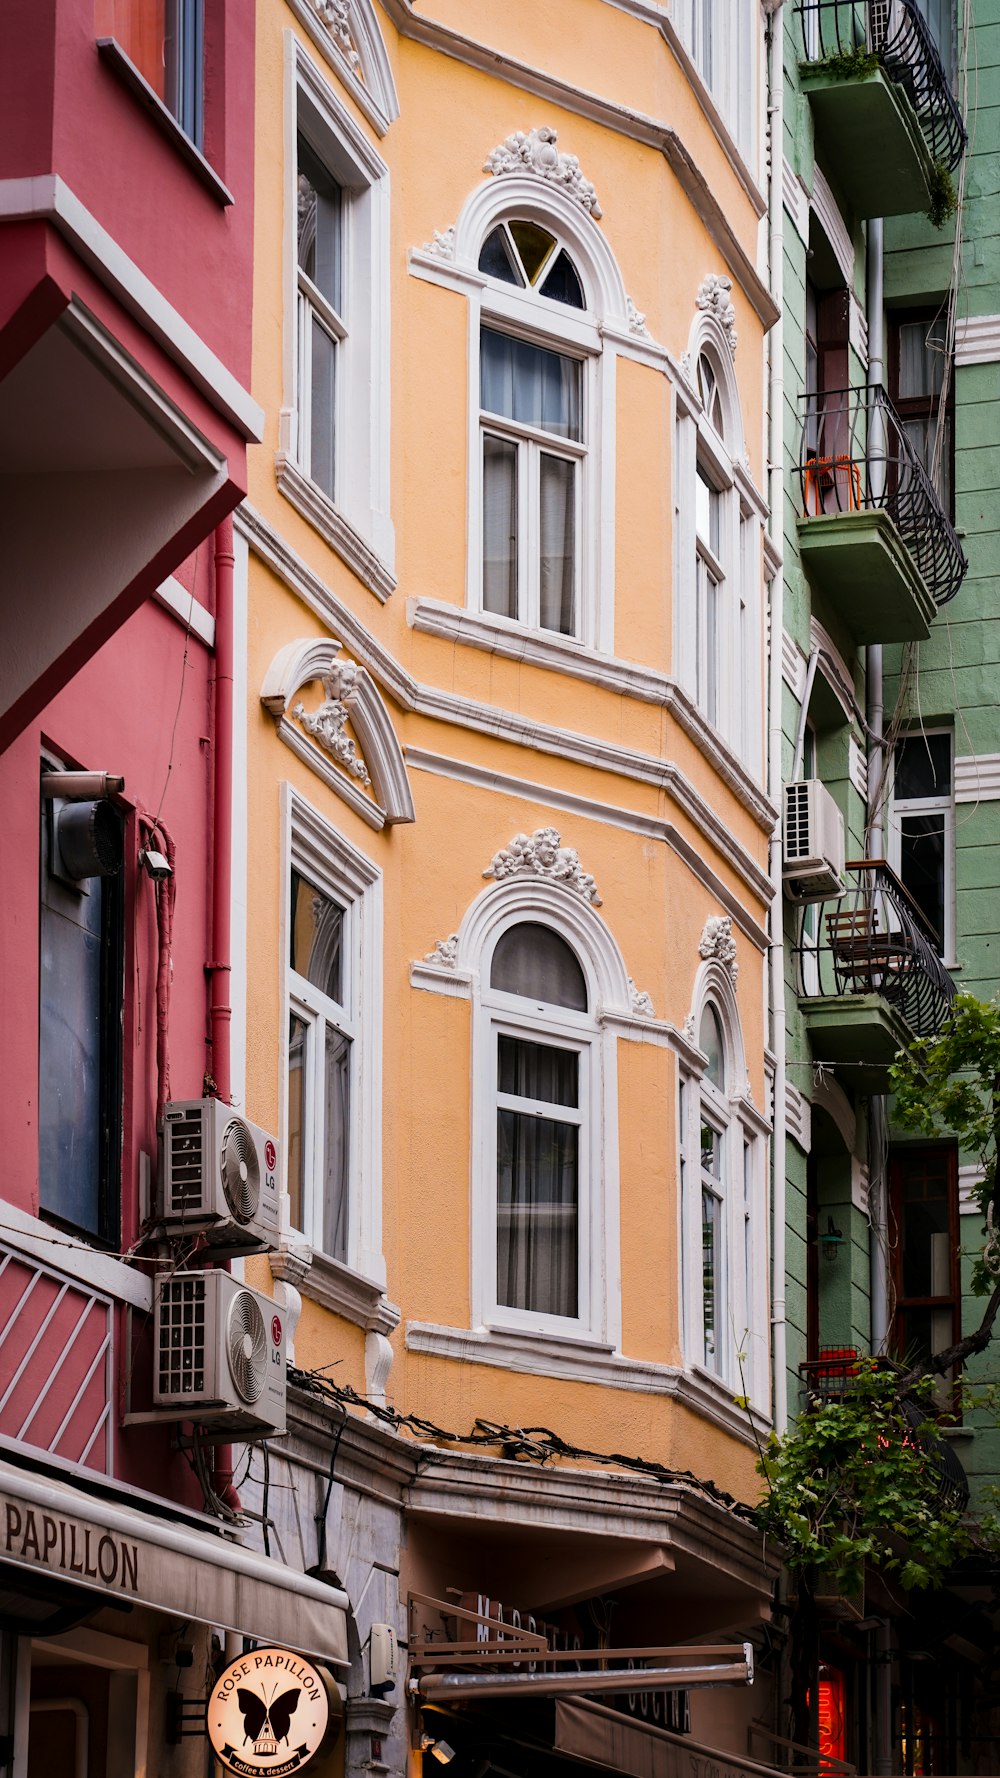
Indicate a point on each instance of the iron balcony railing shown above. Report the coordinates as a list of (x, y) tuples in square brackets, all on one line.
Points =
[(875, 940), (895, 32), (836, 1373), (855, 455)]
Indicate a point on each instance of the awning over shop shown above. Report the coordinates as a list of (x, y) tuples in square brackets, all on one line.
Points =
[(56, 1531), (605, 1737)]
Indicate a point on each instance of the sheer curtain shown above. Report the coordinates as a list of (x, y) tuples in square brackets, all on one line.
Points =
[(337, 1143), (499, 526), (558, 544), (537, 1181)]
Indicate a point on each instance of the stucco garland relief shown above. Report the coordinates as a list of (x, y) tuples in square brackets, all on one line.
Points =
[(445, 952), (443, 244), (542, 854), (336, 16), (534, 151), (717, 941), (328, 724), (714, 299)]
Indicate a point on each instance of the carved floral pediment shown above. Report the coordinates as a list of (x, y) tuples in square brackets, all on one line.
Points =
[(541, 854), (346, 736), (534, 151)]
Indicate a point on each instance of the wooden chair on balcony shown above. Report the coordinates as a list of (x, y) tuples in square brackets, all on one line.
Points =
[(864, 956)]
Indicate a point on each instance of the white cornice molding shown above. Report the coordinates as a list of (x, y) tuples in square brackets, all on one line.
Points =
[(346, 33), (511, 726), (547, 1355), (343, 1291), (827, 212), (75, 1259), (796, 201), (649, 826), (621, 118), (558, 654), (191, 613), (793, 666), (46, 197), (798, 1119), (977, 778), (353, 695), (977, 340), (312, 504)]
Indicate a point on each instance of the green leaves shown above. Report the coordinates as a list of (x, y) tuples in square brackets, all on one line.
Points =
[(856, 1482)]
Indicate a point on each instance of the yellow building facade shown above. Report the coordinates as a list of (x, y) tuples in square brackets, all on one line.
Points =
[(505, 577)]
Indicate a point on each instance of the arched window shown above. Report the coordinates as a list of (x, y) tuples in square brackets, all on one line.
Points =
[(718, 583), (541, 1068), (723, 1209)]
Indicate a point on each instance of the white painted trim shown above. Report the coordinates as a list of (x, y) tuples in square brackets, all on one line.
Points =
[(330, 860), (833, 667), (560, 654), (509, 725), (857, 326), (373, 88), (193, 615), (977, 776), (47, 197), (977, 340), (438, 978), (827, 212), (793, 666), (312, 504), (798, 1118), (857, 766), (339, 1288), (796, 201), (549, 797), (970, 1178), (319, 762), (64, 1253), (299, 663), (239, 955), (358, 523), (585, 1361), (90, 335)]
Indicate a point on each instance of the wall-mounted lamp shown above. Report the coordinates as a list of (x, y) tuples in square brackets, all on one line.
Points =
[(440, 1749), (831, 1241)]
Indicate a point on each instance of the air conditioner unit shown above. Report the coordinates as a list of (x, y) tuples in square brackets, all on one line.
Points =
[(813, 859), (218, 1177), (219, 1353)]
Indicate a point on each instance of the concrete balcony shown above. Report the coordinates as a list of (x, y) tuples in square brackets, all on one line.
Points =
[(881, 102), (873, 534), (869, 978)]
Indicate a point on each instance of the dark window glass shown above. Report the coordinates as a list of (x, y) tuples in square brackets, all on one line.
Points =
[(923, 767), (922, 864), (316, 937), (164, 39), (320, 203), (496, 258), (918, 362), (537, 1071), (924, 1250), (537, 1182), (533, 961), (562, 284)]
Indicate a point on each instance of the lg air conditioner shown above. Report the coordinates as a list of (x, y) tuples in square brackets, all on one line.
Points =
[(218, 1177), (813, 857), (219, 1354)]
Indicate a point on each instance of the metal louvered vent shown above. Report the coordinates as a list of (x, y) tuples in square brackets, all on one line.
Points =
[(797, 835), (186, 1162), (246, 1342), (181, 1352), (240, 1170)]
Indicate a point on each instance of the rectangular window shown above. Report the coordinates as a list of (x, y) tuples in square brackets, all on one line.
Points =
[(322, 331), (538, 1177), (531, 397), (922, 837), (925, 1248), (709, 577), (719, 35), (922, 385), (712, 1248), (164, 40), (81, 988), (321, 1036)]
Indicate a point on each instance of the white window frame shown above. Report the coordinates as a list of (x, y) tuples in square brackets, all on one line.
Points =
[(356, 519), (574, 333), (929, 805), (737, 566), (496, 1013), (742, 1365), (325, 858), (730, 31)]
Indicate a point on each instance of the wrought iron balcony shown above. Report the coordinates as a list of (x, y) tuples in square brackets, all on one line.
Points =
[(872, 528), (868, 975), (874, 75), (835, 1374)]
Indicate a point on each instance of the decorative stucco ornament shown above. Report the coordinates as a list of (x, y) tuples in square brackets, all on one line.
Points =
[(642, 1004), (445, 952), (327, 725), (713, 298), (541, 855), (636, 320), (336, 15), (717, 941), (535, 151), (443, 244)]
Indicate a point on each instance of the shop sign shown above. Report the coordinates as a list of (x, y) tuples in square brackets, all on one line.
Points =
[(268, 1713)]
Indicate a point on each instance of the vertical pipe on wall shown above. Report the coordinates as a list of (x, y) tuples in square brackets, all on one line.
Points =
[(776, 405)]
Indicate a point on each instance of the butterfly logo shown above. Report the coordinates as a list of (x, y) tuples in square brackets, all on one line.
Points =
[(265, 1724)]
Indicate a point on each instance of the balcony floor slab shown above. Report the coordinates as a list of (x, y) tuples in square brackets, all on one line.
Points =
[(860, 562), (874, 145), (860, 1033)]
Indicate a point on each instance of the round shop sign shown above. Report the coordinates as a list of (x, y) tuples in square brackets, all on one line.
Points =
[(268, 1713)]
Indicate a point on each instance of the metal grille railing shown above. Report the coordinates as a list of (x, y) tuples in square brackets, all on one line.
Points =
[(875, 940), (895, 31), (834, 1375), (855, 454)]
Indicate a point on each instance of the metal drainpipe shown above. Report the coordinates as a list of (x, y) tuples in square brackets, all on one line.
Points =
[(875, 849), (81, 1734), (218, 969), (776, 404)]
